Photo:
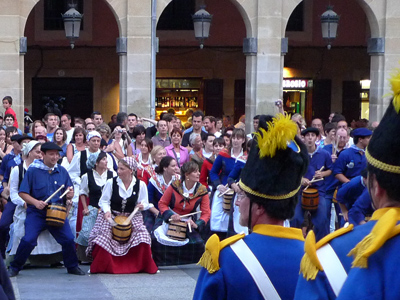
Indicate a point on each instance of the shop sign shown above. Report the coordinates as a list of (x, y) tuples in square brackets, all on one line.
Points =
[(295, 84)]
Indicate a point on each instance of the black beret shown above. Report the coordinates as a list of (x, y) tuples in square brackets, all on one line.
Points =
[(310, 129), (50, 146)]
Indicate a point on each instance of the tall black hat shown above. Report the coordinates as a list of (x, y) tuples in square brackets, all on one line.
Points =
[(276, 162), (384, 147)]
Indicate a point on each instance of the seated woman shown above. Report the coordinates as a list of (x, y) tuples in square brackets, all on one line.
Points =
[(182, 197), (144, 159), (156, 155), (121, 195), (164, 175), (91, 187)]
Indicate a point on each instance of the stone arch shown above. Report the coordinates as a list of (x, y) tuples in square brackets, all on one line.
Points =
[(242, 8), (290, 5), (26, 6)]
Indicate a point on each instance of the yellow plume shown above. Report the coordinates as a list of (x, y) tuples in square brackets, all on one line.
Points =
[(395, 82), (280, 132)]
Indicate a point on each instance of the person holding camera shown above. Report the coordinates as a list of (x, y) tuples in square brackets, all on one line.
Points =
[(120, 143)]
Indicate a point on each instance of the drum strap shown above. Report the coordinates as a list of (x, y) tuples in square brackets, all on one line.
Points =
[(333, 268), (251, 263)]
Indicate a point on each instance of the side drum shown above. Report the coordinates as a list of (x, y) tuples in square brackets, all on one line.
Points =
[(177, 230), (310, 199), (56, 215), (121, 233), (227, 202)]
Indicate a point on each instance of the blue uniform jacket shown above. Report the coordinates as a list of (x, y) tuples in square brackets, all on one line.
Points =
[(350, 163), (317, 160), (11, 163), (153, 194), (361, 208), (221, 168), (350, 191), (380, 280), (342, 245), (279, 251), (40, 184), (234, 175), (6, 159)]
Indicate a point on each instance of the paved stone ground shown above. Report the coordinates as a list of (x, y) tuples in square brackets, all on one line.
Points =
[(177, 282)]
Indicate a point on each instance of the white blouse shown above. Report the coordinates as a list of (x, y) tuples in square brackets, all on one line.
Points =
[(105, 200), (99, 179)]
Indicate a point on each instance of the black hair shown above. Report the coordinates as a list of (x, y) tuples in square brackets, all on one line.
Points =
[(137, 130), (256, 117), (329, 127), (9, 99), (9, 116), (388, 181), (337, 118), (198, 113), (220, 141), (164, 163), (132, 115), (95, 113), (206, 136), (282, 209)]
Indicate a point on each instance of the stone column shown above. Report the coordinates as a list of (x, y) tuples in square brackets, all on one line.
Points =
[(11, 63), (138, 57)]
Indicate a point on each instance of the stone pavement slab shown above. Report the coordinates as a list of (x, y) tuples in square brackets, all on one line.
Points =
[(177, 282)]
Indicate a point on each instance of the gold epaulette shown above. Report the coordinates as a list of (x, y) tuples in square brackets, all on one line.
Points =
[(210, 258), (310, 265), (384, 229)]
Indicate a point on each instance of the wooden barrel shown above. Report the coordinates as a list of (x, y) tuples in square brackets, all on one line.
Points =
[(226, 204), (177, 230), (121, 233), (310, 199), (56, 215)]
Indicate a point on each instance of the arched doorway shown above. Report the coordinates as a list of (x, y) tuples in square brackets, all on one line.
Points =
[(78, 81), (333, 77), (216, 74)]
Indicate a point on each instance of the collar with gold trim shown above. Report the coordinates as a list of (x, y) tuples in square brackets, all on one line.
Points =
[(380, 212), (279, 231)]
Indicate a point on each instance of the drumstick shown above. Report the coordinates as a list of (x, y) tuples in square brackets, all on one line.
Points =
[(66, 192), (129, 219), (314, 180), (52, 195), (190, 227), (226, 185), (187, 215), (221, 194)]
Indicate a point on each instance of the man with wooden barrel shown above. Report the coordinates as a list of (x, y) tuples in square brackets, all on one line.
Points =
[(313, 186), (43, 179), (265, 263)]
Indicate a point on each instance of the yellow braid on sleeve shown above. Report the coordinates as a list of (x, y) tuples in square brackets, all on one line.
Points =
[(384, 229), (210, 257)]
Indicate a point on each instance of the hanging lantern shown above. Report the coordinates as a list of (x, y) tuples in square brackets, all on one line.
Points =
[(329, 25), (72, 24), (202, 23)]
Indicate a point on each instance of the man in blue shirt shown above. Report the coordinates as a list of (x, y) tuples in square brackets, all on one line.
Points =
[(42, 179), (352, 161), (319, 167)]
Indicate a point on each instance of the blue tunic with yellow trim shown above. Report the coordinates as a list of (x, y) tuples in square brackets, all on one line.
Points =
[(319, 288), (380, 280), (279, 251)]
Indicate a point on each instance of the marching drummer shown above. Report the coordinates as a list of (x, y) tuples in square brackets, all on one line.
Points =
[(42, 179), (320, 167)]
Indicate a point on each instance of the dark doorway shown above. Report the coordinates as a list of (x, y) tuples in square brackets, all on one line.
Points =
[(73, 96), (351, 106), (213, 97), (321, 99), (240, 99)]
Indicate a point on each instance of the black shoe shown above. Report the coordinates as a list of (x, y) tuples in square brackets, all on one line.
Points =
[(12, 272), (75, 271)]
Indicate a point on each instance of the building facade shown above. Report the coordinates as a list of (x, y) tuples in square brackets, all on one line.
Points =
[(251, 59)]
